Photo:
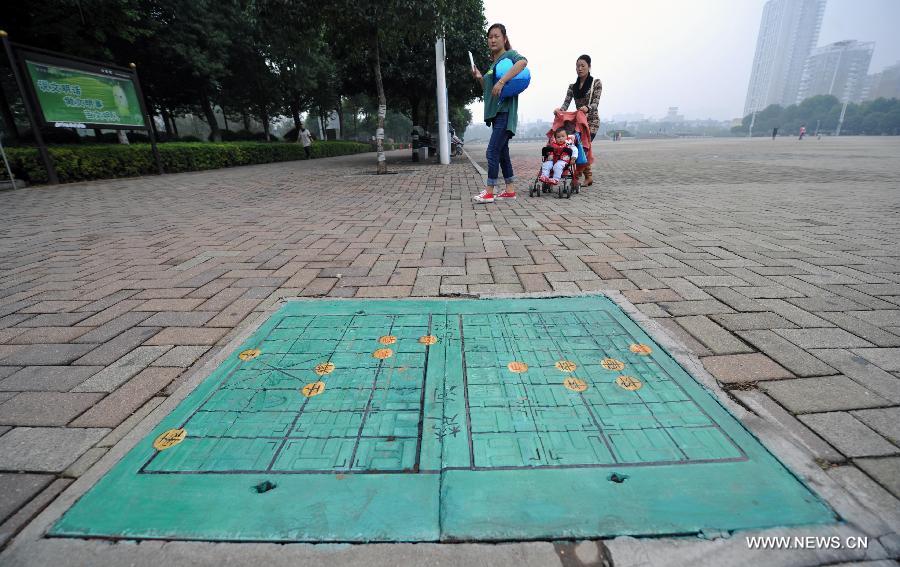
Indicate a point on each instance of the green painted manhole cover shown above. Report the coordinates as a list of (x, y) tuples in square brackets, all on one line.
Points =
[(444, 420)]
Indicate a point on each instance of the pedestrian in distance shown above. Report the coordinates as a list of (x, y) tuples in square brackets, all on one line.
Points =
[(774, 132), (305, 137), (501, 114), (802, 131)]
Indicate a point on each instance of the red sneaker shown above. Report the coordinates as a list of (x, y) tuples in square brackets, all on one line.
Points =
[(484, 197), (507, 195)]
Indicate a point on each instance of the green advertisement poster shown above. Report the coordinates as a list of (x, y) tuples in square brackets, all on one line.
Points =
[(73, 98)]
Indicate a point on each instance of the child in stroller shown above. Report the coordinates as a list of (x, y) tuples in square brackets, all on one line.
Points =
[(559, 162)]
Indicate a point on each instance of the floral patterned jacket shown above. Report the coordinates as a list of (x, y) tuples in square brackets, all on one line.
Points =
[(593, 117)]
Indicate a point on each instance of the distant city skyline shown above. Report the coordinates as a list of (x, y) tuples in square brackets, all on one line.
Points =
[(653, 54), (788, 32), (839, 69)]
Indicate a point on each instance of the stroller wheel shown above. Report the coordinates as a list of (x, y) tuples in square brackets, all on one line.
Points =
[(534, 191)]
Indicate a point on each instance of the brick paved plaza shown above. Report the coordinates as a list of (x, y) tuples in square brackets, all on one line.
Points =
[(776, 262)]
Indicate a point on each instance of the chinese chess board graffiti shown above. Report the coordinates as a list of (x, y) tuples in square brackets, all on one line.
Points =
[(443, 420)]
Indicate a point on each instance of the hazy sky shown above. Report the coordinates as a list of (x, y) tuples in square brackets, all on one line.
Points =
[(652, 54)]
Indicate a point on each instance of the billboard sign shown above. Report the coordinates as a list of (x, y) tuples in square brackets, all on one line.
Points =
[(69, 94)]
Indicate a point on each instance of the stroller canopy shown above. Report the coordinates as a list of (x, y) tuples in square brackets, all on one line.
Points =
[(581, 126)]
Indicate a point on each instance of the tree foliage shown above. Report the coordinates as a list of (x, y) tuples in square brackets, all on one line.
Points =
[(268, 59), (872, 117)]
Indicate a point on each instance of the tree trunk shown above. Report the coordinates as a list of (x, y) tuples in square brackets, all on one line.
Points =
[(215, 133), (97, 133), (295, 113), (382, 111), (152, 116), (9, 121), (172, 119), (123, 137), (340, 113), (414, 103), (246, 118), (225, 117), (264, 118)]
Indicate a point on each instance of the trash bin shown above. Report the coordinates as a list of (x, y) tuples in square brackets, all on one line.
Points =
[(423, 154)]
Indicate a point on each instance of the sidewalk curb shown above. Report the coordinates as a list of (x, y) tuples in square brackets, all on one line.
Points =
[(481, 171)]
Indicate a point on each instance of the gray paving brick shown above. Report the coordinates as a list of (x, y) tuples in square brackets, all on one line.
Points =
[(45, 449), (822, 338), (714, 337), (31, 509), (651, 310), (118, 347), (54, 320), (767, 292), (180, 356), (793, 313), (48, 378), (84, 462), (647, 296), (880, 317), (8, 371), (109, 313), (885, 421), (686, 289), (824, 303), (848, 435), (178, 319), (47, 354), (735, 300), (862, 371), (17, 489), (886, 471), (822, 394), (232, 315), (763, 405), (113, 328), (867, 301), (751, 321), (862, 329), (126, 426), (123, 369), (870, 494), (716, 281), (701, 307), (677, 332), (127, 398), (184, 304), (108, 301), (884, 358), (45, 408), (44, 335), (786, 353), (737, 368)]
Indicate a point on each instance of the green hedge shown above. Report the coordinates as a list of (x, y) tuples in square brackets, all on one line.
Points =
[(86, 162)]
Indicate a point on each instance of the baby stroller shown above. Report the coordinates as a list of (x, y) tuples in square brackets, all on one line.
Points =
[(569, 183)]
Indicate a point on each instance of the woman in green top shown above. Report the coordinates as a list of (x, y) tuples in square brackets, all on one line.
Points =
[(501, 114)]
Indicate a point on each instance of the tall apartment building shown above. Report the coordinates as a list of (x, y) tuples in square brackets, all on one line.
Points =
[(787, 33), (838, 69), (885, 84)]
